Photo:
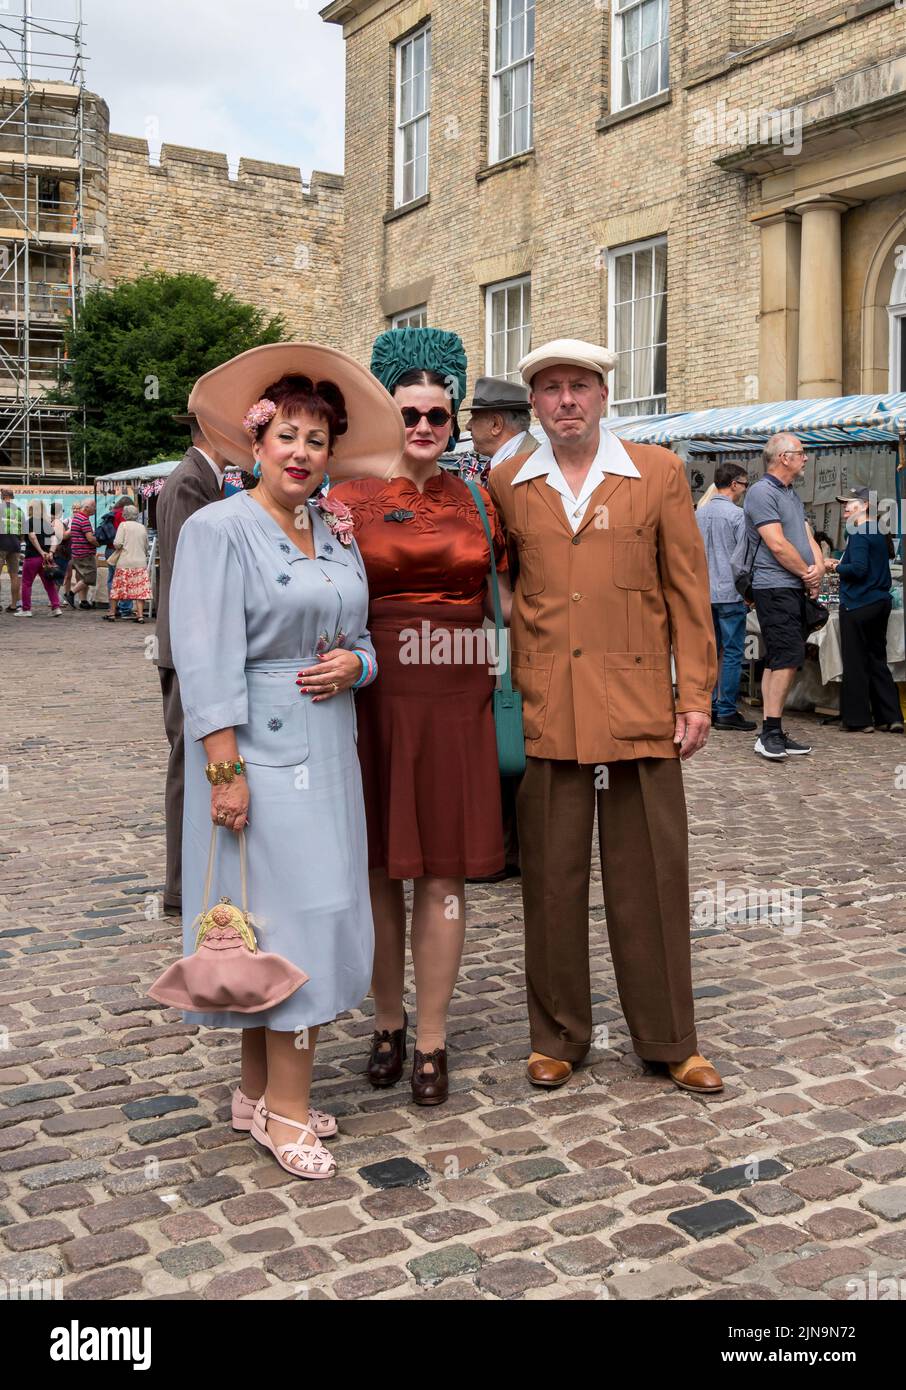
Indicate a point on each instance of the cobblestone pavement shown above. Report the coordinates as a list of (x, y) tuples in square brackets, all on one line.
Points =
[(121, 1178)]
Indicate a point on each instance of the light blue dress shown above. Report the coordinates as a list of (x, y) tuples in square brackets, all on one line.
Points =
[(247, 612)]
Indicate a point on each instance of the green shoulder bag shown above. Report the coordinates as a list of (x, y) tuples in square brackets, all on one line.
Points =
[(507, 702)]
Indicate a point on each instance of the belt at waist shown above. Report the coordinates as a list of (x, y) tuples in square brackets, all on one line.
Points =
[(456, 614), (291, 663)]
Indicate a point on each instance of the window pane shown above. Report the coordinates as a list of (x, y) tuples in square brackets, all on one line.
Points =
[(660, 372), (514, 306), (521, 137), (631, 32), (623, 382), (623, 278), (659, 318), (505, 92), (623, 324), (498, 302), (660, 269), (530, 28), (502, 49), (630, 92), (649, 72), (649, 18), (642, 273), (643, 367)]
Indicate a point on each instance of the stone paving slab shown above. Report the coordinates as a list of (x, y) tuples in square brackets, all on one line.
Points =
[(121, 1178)]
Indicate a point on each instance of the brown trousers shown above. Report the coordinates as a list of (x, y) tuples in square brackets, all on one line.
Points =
[(642, 838), (173, 723)]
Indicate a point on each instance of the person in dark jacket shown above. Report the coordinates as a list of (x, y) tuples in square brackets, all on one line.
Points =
[(868, 698)]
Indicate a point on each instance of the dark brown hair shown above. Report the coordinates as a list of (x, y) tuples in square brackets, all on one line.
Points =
[(293, 394)]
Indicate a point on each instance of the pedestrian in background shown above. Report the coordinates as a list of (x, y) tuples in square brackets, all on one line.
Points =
[(39, 544), (84, 551), (12, 529), (868, 694), (722, 522), (131, 580), (787, 567)]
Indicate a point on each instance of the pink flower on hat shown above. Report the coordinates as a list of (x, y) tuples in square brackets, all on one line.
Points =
[(261, 413)]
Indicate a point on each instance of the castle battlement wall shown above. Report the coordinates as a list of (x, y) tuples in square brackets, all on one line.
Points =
[(266, 235)]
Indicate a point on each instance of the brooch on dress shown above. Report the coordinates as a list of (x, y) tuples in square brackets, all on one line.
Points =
[(399, 514), (283, 579), (337, 518)]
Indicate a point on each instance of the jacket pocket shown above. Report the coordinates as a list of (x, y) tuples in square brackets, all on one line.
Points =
[(276, 734), (634, 557), (531, 673), (639, 694), (531, 569)]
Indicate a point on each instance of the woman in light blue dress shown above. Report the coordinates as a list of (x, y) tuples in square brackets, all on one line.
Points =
[(266, 585)]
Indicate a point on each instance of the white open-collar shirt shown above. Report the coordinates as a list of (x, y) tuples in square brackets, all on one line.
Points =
[(610, 458)]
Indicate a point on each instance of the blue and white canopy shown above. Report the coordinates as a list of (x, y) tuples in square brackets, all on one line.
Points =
[(827, 421)]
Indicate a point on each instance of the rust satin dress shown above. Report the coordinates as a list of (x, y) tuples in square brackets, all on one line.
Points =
[(425, 728)]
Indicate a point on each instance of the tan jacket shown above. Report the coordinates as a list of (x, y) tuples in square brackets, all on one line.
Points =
[(596, 614)]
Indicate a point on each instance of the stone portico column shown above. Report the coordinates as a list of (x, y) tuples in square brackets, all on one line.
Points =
[(821, 298), (778, 323)]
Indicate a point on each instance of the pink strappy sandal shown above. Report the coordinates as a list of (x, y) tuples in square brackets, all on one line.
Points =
[(321, 1124), (314, 1161)]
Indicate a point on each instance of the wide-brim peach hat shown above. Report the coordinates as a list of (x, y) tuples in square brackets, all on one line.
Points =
[(373, 442)]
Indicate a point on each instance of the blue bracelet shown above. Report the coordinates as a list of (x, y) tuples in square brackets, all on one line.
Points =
[(366, 669)]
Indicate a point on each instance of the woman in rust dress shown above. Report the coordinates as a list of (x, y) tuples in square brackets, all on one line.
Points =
[(425, 728)]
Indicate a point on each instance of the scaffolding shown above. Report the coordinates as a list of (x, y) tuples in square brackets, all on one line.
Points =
[(46, 166)]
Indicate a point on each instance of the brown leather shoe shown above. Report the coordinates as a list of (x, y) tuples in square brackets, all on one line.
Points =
[(385, 1065), (695, 1074), (548, 1071), (430, 1087)]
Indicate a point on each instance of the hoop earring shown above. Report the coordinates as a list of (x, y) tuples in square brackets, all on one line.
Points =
[(256, 471)]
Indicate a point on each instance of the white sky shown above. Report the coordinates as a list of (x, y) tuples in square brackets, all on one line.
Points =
[(260, 78)]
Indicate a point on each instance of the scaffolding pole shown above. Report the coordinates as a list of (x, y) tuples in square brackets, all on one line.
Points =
[(42, 232)]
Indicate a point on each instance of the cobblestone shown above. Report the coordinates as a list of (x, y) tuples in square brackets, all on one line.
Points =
[(120, 1174)]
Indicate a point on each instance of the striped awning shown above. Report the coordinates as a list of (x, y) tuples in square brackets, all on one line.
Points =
[(827, 421)]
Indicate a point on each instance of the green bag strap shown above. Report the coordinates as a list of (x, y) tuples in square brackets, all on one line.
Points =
[(506, 682)]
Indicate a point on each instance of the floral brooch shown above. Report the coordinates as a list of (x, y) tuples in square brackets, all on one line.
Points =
[(337, 518)]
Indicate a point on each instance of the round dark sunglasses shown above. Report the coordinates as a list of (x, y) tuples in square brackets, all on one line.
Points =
[(437, 417)]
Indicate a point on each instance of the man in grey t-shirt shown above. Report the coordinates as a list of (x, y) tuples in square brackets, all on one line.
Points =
[(788, 565)]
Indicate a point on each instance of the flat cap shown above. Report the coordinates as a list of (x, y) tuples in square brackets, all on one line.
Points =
[(567, 352)]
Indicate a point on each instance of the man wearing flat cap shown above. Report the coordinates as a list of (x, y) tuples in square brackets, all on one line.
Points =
[(196, 481), (500, 416), (610, 579)]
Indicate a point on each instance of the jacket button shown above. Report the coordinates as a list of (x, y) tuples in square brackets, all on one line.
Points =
[(577, 540), (638, 661), (578, 651), (576, 597), (638, 533)]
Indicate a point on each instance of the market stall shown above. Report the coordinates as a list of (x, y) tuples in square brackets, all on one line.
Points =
[(853, 441)]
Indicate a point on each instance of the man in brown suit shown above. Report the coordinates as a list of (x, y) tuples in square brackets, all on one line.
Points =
[(195, 482), (609, 578)]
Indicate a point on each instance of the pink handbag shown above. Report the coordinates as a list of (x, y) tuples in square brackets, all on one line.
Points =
[(227, 973)]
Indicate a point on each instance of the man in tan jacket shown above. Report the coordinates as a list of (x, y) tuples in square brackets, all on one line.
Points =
[(609, 578)]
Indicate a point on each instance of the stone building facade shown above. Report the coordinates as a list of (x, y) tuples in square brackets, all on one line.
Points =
[(715, 187), (264, 235)]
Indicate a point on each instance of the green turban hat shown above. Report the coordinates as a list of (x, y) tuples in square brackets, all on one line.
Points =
[(402, 350)]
